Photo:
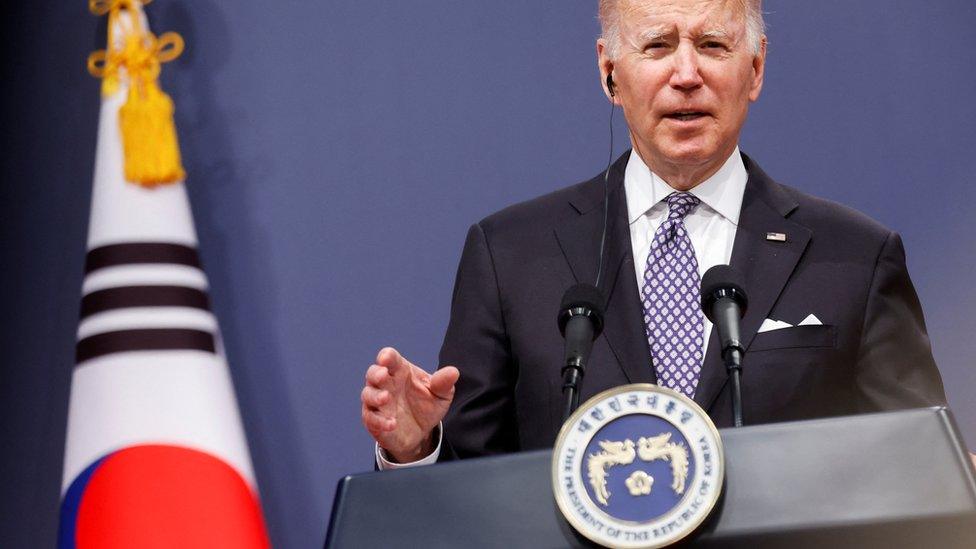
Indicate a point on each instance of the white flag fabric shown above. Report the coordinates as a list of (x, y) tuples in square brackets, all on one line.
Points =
[(156, 455)]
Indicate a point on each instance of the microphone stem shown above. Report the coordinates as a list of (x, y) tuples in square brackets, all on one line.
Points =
[(737, 397), (571, 378), (733, 363)]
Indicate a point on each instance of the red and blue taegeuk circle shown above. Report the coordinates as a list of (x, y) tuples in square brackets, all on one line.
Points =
[(157, 495)]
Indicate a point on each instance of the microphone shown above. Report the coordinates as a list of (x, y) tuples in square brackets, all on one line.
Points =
[(580, 322), (724, 303)]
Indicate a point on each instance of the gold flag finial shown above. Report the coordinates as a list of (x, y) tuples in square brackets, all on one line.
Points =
[(135, 55)]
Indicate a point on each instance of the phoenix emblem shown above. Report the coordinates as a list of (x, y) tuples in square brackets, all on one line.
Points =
[(623, 453)]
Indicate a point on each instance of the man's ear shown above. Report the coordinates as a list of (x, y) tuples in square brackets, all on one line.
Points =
[(758, 71), (606, 71)]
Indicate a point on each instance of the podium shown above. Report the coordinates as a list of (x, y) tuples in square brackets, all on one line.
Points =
[(893, 479)]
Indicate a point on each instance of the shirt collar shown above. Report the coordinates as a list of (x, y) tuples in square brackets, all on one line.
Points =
[(721, 192)]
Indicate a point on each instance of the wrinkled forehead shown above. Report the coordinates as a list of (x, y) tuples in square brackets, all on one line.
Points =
[(696, 17)]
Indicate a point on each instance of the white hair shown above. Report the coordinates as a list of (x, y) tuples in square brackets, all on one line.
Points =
[(609, 16)]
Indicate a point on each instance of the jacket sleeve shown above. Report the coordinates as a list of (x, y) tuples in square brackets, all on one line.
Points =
[(895, 367), (482, 419)]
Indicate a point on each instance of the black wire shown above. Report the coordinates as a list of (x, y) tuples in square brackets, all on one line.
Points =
[(606, 199)]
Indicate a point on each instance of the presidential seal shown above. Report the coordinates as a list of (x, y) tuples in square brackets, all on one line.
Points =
[(637, 466)]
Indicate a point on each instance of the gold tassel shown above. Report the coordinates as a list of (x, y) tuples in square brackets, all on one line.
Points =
[(149, 142), (152, 154)]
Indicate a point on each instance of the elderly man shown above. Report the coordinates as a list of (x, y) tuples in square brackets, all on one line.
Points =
[(833, 327)]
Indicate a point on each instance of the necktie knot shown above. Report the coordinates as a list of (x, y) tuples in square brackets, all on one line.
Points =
[(681, 204)]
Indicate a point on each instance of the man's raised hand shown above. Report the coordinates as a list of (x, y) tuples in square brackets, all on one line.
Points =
[(402, 404)]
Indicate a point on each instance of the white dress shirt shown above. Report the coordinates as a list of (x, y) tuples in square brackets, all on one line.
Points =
[(711, 227)]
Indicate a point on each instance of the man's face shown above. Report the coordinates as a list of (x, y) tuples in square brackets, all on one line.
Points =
[(684, 74)]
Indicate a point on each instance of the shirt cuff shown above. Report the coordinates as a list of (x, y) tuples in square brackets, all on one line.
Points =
[(385, 464)]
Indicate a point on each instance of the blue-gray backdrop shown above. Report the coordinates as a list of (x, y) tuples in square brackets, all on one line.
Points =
[(337, 152)]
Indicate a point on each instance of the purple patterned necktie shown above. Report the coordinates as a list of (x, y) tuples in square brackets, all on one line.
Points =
[(671, 295)]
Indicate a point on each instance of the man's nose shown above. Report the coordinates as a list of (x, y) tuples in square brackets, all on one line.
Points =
[(686, 74)]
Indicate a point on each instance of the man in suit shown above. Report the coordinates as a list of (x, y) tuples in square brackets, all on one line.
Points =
[(833, 326)]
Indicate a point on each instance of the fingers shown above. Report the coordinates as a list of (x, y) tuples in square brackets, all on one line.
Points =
[(442, 382), (392, 360), (389, 358), (377, 376), (377, 423), (374, 398)]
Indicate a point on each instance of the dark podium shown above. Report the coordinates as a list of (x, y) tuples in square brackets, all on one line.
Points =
[(895, 479)]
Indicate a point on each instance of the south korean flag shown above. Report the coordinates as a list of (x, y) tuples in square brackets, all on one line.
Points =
[(156, 454)]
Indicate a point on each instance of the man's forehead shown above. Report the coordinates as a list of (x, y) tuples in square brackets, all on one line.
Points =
[(720, 14)]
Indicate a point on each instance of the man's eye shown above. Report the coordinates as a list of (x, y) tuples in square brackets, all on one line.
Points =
[(713, 45), (656, 45)]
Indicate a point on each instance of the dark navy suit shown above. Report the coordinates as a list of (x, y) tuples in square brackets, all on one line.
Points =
[(871, 353)]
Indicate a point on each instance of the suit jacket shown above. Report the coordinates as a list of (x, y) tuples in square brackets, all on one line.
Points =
[(871, 353)]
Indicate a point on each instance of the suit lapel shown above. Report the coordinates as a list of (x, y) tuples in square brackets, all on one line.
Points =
[(765, 265), (579, 239)]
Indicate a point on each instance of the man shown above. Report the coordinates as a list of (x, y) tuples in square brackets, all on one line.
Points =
[(833, 326)]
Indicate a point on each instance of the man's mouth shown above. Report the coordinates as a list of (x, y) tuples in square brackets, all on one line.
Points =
[(685, 116)]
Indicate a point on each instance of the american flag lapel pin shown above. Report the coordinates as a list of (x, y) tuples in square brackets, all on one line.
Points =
[(776, 237)]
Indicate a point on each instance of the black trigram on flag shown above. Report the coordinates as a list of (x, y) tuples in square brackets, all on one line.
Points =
[(152, 311)]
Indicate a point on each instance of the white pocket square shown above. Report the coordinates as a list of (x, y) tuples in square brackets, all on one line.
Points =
[(811, 320), (769, 325)]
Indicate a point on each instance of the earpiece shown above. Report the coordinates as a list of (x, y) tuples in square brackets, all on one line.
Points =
[(610, 85)]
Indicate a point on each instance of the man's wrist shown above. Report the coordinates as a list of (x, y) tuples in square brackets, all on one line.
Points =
[(425, 449), (385, 461)]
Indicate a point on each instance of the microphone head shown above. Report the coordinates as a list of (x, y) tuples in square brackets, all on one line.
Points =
[(582, 299), (722, 281)]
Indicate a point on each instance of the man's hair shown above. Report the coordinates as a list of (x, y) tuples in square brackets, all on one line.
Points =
[(610, 24)]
